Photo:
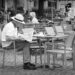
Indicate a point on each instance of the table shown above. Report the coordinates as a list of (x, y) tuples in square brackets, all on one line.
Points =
[(47, 37)]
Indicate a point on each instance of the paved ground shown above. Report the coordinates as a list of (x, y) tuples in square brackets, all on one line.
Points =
[(20, 71), (9, 61)]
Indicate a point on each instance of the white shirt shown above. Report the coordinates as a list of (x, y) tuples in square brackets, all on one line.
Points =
[(8, 30), (35, 20), (11, 31)]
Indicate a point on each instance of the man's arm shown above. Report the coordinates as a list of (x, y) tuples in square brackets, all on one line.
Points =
[(10, 30)]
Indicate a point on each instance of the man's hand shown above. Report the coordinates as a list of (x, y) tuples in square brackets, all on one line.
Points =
[(21, 32)]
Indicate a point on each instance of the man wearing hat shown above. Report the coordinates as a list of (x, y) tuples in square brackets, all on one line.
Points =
[(11, 29)]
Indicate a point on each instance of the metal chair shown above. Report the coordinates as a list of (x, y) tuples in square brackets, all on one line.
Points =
[(63, 48), (36, 47), (50, 31), (2, 49), (59, 29)]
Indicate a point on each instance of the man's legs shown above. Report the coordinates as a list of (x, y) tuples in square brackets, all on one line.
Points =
[(25, 46), (26, 57), (22, 46), (26, 52)]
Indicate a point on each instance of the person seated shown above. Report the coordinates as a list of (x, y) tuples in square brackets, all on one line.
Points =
[(11, 30), (33, 17)]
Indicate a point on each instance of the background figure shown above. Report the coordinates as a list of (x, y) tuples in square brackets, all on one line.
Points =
[(69, 5), (70, 11), (33, 17)]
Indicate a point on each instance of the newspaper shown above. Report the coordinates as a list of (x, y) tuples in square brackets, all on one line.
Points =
[(27, 34)]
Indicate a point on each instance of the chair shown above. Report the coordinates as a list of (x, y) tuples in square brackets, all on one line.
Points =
[(59, 29), (63, 48), (50, 31), (35, 45), (4, 50), (37, 49)]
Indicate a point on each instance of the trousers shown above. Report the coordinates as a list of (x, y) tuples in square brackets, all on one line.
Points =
[(22, 46)]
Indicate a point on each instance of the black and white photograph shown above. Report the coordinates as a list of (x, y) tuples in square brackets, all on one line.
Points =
[(37, 37)]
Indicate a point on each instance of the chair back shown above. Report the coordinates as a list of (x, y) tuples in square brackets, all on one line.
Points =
[(59, 29), (50, 31), (69, 40)]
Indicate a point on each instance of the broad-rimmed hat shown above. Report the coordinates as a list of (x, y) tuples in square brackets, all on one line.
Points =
[(19, 18)]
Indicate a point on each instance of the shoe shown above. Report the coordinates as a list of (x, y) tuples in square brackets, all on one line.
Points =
[(26, 66), (70, 59), (57, 66), (52, 68), (41, 66), (47, 67), (18, 50), (30, 64)]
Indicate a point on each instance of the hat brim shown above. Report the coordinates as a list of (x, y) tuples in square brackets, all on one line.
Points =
[(13, 18)]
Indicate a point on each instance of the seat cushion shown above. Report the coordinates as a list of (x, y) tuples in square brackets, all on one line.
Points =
[(58, 51)]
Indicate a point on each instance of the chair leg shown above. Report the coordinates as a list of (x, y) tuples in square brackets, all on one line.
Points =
[(15, 58), (35, 59), (54, 59), (3, 58), (48, 59), (64, 60), (74, 59), (41, 58), (14, 53)]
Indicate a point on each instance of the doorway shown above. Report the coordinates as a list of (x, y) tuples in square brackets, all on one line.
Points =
[(40, 10)]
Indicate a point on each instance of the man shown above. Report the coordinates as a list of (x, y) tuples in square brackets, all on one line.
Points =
[(11, 29)]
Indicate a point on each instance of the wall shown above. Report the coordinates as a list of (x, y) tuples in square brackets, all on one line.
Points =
[(26, 4), (0, 3), (10, 4), (45, 4), (61, 4), (22, 3)]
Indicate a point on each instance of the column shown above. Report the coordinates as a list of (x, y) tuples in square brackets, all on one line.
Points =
[(25, 5)]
